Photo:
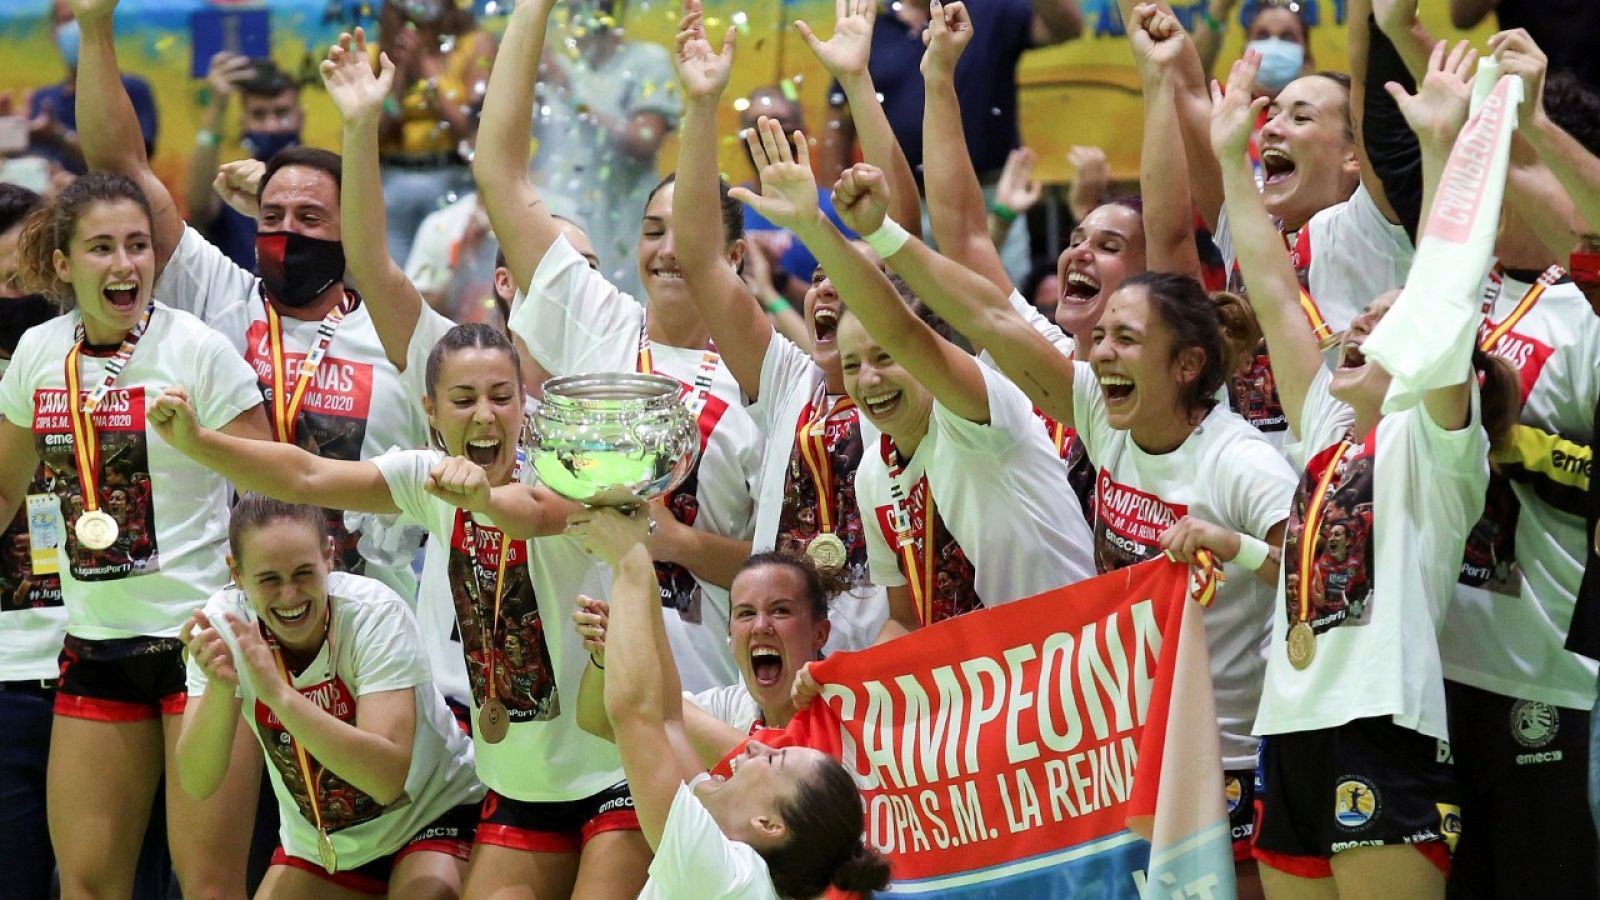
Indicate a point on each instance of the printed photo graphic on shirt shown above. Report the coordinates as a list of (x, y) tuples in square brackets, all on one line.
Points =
[(1490, 559), (1253, 394), (1341, 565), (1080, 471), (30, 577), (798, 520), (952, 576), (331, 422), (341, 803), (679, 589), (1128, 523), (524, 675), (124, 482)]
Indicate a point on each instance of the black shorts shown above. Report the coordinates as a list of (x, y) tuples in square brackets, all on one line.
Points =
[(451, 834), (1523, 767), (1365, 783), (562, 827), (1239, 789), (121, 680)]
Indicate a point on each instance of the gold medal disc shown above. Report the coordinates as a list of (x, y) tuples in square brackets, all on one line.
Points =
[(1302, 645), (330, 860), (96, 529), (493, 722), (827, 551)]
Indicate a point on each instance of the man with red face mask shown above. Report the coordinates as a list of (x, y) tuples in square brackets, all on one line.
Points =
[(360, 399)]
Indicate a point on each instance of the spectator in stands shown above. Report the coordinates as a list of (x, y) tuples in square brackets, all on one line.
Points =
[(53, 121)]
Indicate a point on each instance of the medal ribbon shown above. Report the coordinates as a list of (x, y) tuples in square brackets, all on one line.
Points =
[(1301, 253), (492, 645), (286, 404), (703, 376), (1311, 530), (920, 576), (80, 412), (1492, 293), (302, 759), (812, 437)]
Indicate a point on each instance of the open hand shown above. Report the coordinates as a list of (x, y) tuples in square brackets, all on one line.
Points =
[(1234, 112), (702, 70), (227, 71), (846, 53), (1438, 110), (788, 195), (1017, 188), (255, 658), (861, 198), (356, 91), (207, 648)]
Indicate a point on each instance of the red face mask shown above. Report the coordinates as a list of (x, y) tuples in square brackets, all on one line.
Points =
[(1585, 271)]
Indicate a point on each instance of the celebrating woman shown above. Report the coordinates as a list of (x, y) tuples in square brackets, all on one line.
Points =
[(137, 531), (788, 823), (374, 778), (557, 801)]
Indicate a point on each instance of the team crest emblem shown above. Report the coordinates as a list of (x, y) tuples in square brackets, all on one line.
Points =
[(1449, 824), (1355, 803), (1233, 789), (1534, 724)]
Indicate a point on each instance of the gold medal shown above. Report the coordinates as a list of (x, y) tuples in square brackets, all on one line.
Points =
[(1302, 645), (493, 722), (330, 860), (827, 551), (96, 529)]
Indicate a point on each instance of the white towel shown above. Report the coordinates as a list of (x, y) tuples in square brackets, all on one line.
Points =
[(1426, 340)]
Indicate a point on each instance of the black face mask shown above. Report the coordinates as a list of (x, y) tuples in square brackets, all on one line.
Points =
[(21, 313), (297, 268)]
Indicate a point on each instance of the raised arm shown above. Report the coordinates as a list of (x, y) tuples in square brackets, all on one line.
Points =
[(358, 94), (500, 160), (1269, 277), (227, 70), (1169, 242), (282, 471), (732, 314), (1576, 168), (956, 206), (845, 56), (114, 142), (789, 198)]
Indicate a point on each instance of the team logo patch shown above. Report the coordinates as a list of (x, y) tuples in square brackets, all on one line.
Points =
[(1449, 824), (1534, 724), (1355, 803), (1233, 789)]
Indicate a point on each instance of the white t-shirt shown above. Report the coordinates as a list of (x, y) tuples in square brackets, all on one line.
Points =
[(358, 404), (731, 703), (1385, 568), (793, 390), (545, 756), (1225, 473), (1507, 632), (695, 859), (574, 321), (376, 648), (32, 619), (436, 615), (171, 512), (1006, 523)]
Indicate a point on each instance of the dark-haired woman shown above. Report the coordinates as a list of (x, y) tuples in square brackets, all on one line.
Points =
[(787, 823), (574, 321), (1353, 706), (321, 360), (374, 778), (557, 800), (137, 528)]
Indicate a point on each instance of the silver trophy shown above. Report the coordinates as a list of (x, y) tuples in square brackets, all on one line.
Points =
[(612, 439)]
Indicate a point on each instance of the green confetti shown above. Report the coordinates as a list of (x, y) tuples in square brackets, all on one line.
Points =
[(789, 92)]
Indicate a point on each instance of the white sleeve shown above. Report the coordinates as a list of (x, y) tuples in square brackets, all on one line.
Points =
[(883, 565), (784, 369), (1089, 410), (405, 471), (1452, 458), (431, 326), (574, 320), (1357, 255), (201, 279), (1323, 418), (16, 386), (387, 648), (224, 384), (1257, 487), (694, 852), (1010, 412)]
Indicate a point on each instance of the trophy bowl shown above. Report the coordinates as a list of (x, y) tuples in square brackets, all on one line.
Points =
[(612, 439)]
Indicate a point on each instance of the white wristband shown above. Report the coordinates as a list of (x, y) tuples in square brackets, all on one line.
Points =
[(1252, 553), (888, 239)]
